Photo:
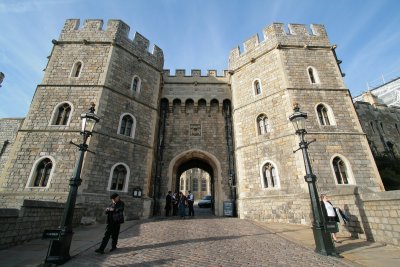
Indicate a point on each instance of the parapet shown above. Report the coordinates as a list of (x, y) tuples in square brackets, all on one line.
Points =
[(275, 35), (117, 33), (181, 73)]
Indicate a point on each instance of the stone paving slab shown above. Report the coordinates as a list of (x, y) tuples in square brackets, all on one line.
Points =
[(204, 242)]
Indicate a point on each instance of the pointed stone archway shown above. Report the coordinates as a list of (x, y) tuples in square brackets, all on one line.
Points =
[(195, 158)]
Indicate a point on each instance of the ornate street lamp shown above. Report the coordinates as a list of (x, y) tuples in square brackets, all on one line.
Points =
[(323, 240), (61, 238)]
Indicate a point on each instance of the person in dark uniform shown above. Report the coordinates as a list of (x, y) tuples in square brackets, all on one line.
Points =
[(168, 204), (115, 216), (190, 201), (175, 197)]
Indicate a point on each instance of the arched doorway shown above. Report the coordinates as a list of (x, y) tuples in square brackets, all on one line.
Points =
[(203, 160)]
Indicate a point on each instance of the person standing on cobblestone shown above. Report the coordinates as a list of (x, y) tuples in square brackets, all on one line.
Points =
[(190, 200), (175, 197), (330, 215), (168, 204), (182, 205), (115, 216)]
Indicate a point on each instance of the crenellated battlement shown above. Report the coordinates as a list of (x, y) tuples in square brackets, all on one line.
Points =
[(275, 35), (181, 73), (116, 32)]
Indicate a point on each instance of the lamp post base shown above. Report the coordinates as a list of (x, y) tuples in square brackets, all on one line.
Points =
[(323, 242), (59, 249)]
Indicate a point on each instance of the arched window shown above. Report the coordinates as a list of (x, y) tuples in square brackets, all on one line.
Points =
[(214, 105), (201, 106), (176, 106), (257, 87), (195, 185), (340, 169), (119, 177), (312, 75), (189, 106), (323, 115), (136, 83), (269, 176), (61, 114), (76, 69), (263, 125), (41, 172), (203, 184), (127, 125)]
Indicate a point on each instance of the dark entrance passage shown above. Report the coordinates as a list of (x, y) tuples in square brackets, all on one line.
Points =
[(197, 176)]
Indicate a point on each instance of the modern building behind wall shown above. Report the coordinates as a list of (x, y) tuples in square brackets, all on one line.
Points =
[(156, 125)]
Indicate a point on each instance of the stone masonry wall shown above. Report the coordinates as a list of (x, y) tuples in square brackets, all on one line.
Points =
[(196, 100), (371, 117), (27, 223), (373, 216), (8, 131)]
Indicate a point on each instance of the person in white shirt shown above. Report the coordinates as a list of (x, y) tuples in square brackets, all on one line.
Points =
[(330, 215)]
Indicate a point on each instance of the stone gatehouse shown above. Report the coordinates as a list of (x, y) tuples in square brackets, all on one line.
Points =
[(155, 125)]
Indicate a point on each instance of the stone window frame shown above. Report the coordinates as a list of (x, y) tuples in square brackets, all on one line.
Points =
[(195, 186), (314, 74), (277, 186), (254, 87), (32, 174), (126, 183), (133, 130), (331, 116), (74, 69), (349, 172), (267, 128), (54, 114), (139, 84)]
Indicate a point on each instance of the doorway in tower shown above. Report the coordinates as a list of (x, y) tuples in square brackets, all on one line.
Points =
[(198, 181)]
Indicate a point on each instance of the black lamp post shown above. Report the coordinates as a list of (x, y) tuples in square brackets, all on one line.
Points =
[(59, 247), (323, 240)]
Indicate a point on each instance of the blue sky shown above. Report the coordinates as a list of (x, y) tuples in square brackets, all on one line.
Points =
[(196, 34)]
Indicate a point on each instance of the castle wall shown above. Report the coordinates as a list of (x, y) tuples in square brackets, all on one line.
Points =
[(382, 125), (8, 131), (183, 114)]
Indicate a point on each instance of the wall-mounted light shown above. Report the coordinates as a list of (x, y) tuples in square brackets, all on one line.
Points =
[(137, 192)]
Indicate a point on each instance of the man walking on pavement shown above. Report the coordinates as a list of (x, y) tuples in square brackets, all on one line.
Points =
[(190, 201), (115, 216)]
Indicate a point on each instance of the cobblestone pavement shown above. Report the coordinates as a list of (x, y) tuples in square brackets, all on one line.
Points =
[(203, 241)]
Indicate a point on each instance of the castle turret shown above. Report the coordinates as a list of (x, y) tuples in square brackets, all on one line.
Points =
[(297, 66), (123, 78)]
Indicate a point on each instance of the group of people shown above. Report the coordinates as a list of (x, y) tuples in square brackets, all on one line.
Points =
[(178, 202)]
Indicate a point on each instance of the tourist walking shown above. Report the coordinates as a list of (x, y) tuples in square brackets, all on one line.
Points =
[(115, 216)]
